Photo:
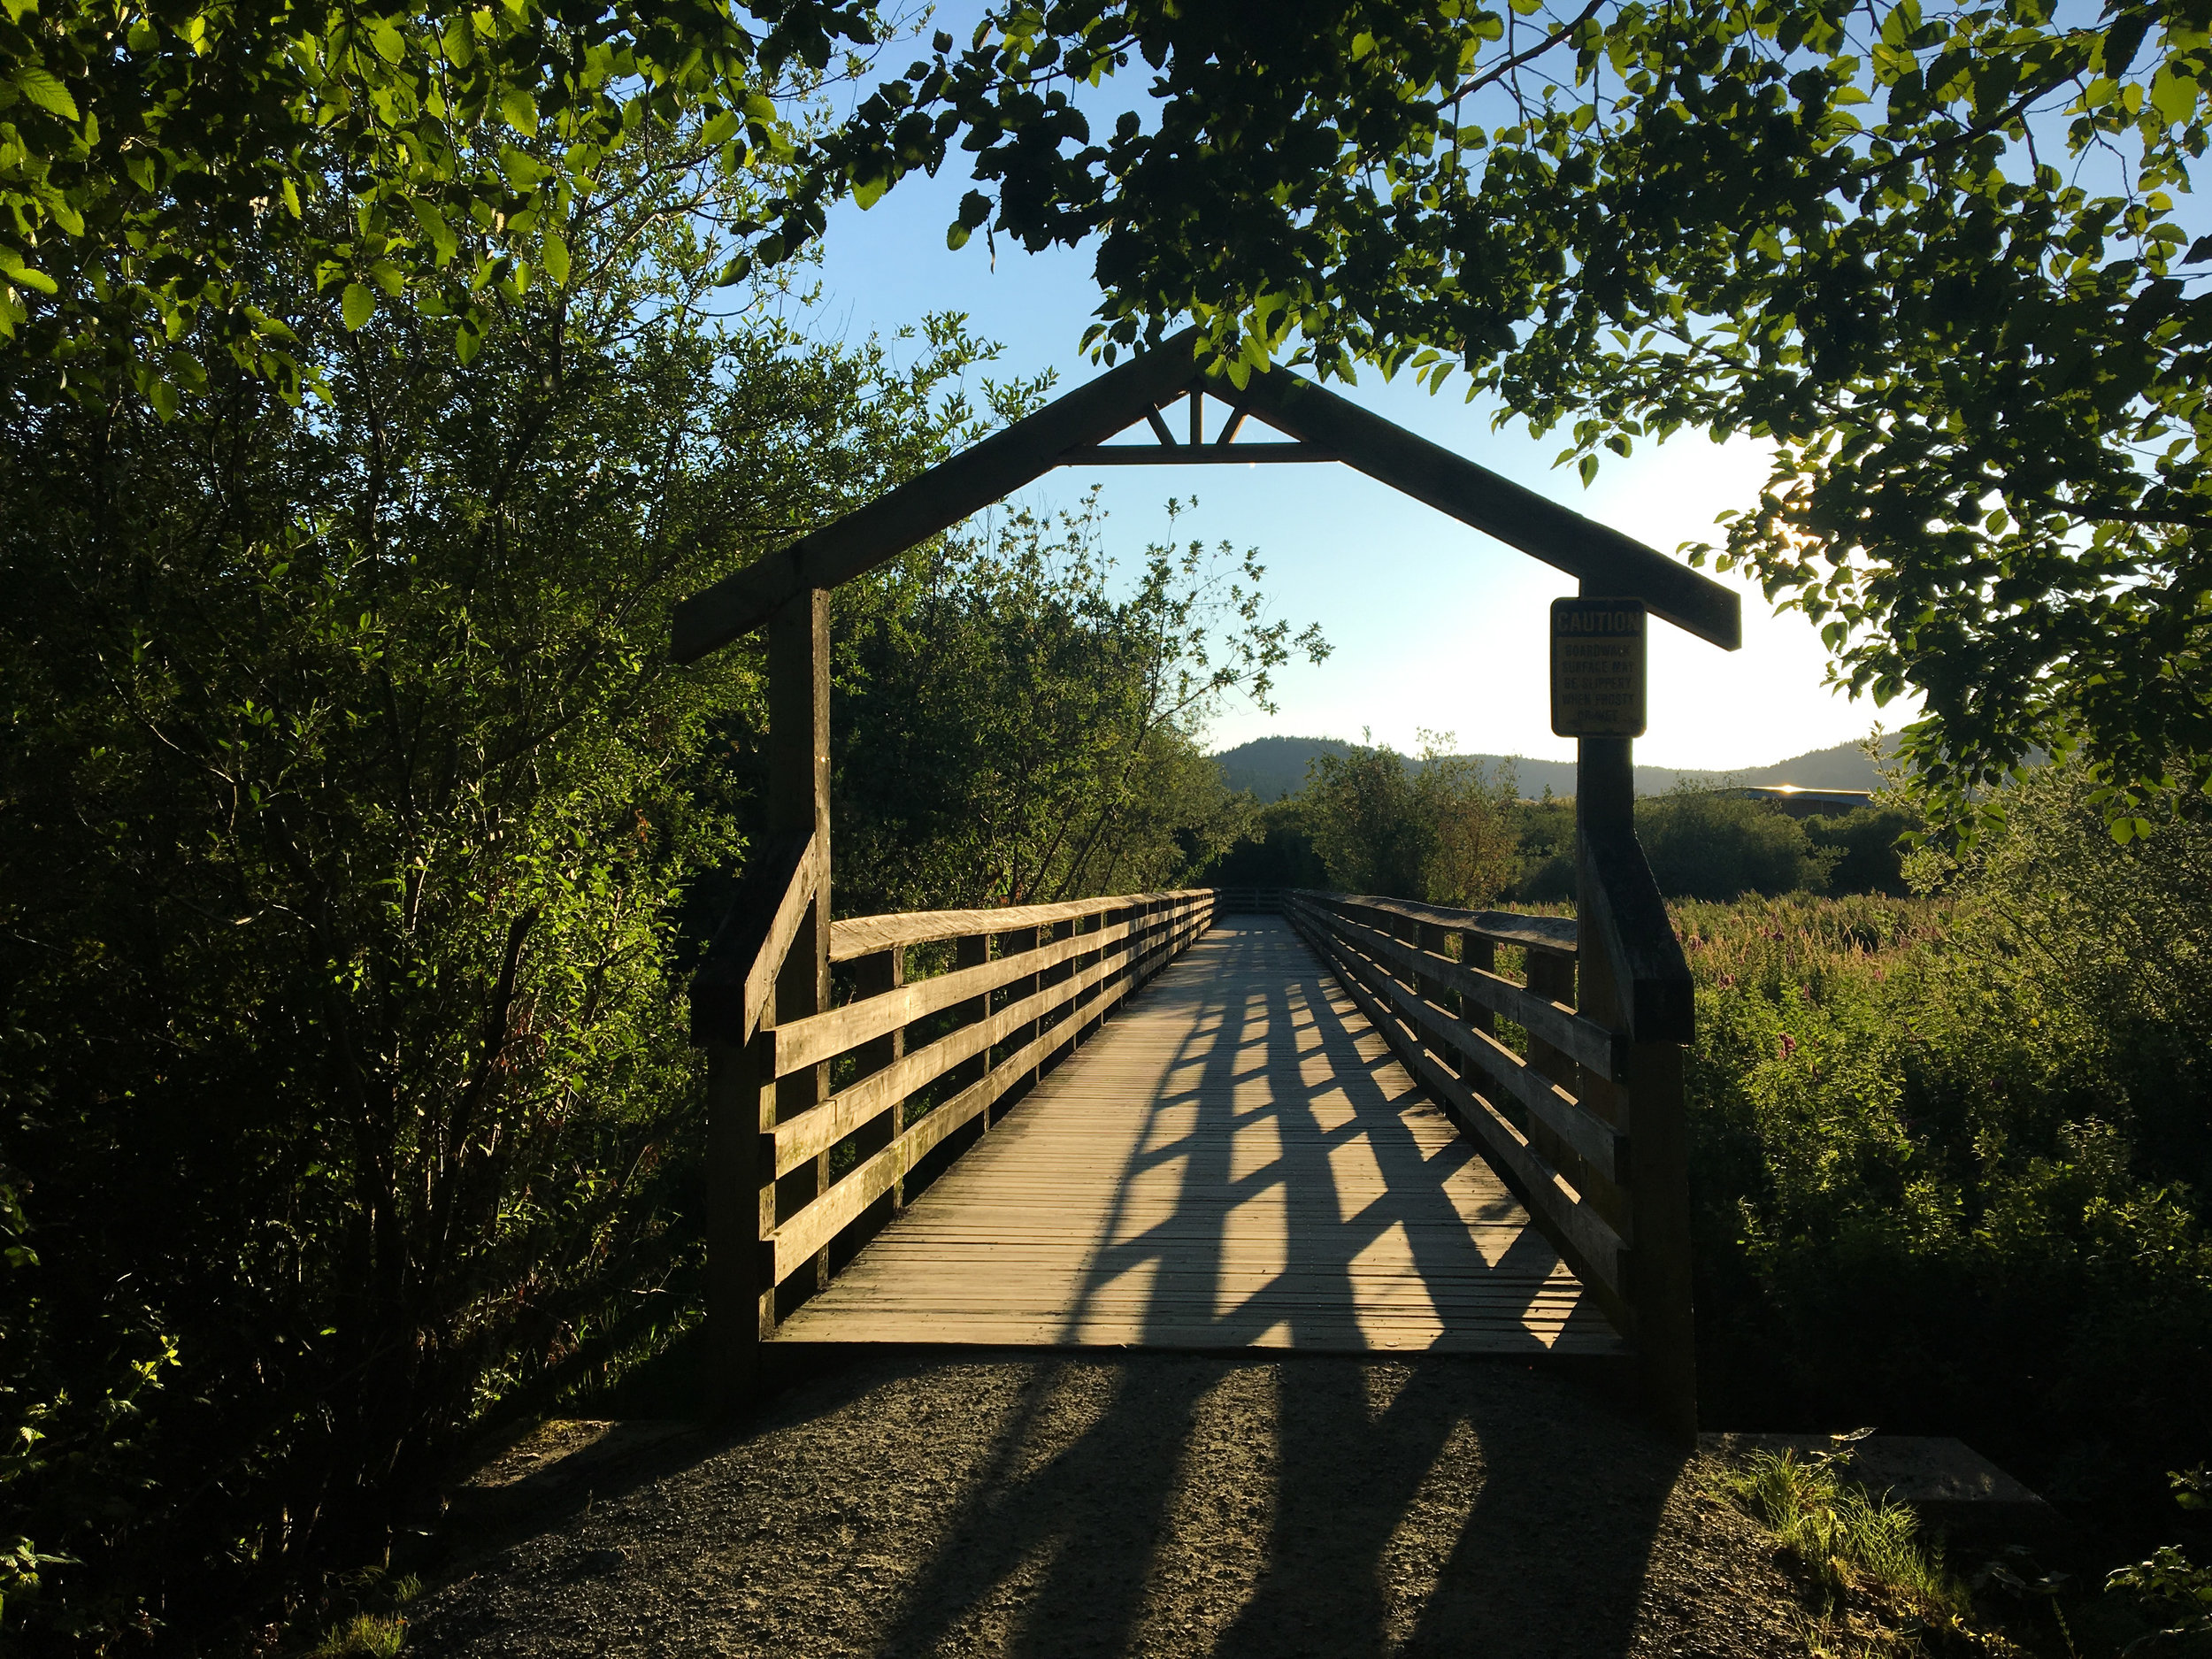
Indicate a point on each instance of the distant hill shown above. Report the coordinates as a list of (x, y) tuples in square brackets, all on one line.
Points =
[(1272, 767)]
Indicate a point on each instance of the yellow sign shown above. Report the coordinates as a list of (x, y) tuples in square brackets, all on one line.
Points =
[(1597, 668)]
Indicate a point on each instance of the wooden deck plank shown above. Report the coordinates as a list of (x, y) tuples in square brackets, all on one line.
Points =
[(1233, 1161)]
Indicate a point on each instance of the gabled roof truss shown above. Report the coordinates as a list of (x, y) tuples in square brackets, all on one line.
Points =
[(1154, 389)]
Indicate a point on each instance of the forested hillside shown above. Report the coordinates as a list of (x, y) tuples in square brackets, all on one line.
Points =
[(1272, 767)]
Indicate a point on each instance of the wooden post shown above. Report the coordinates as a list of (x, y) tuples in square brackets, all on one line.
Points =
[(971, 950), (744, 1100), (1025, 939), (1649, 1106), (1435, 939), (798, 803), (1478, 953), (877, 973), (1551, 975), (740, 1210)]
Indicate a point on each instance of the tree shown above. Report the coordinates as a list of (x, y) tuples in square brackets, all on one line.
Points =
[(1440, 831), (1931, 251), (1714, 844), (151, 155), (1045, 730), (348, 801)]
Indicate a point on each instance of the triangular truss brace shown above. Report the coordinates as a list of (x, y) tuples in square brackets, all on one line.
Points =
[(1196, 449)]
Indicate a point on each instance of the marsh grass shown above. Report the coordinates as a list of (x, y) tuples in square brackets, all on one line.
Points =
[(1844, 1535), (363, 1635), (1881, 1588)]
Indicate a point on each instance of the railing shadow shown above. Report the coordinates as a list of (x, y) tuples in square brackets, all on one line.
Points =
[(1438, 1506), (1238, 1504), (1269, 1248)]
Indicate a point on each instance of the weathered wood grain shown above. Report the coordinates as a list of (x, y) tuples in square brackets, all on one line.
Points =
[(860, 935), (1555, 933), (804, 1043), (1600, 1142), (1234, 1161), (1606, 561)]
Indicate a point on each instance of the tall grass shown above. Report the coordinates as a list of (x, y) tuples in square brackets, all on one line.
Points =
[(1845, 1537)]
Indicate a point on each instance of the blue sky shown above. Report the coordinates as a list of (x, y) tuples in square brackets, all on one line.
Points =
[(1434, 625)]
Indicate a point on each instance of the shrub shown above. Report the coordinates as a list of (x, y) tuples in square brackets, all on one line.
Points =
[(1710, 844), (1440, 831), (1947, 1154), (1864, 844)]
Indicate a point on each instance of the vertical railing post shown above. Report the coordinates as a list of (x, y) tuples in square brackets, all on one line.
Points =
[(874, 975), (1648, 1102), (1435, 939), (1019, 940), (1478, 952), (745, 1101), (971, 950)]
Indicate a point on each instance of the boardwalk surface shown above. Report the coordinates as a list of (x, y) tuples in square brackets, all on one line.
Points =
[(1234, 1161)]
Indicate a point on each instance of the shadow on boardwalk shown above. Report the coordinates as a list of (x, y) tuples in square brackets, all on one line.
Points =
[(1234, 1161), (1155, 1504), (1097, 1502)]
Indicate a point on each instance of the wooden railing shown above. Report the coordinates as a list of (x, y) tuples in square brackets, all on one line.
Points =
[(1582, 1116), (1249, 901), (945, 1014)]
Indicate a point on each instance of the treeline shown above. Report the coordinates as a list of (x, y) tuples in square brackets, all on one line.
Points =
[(355, 835), (1445, 830)]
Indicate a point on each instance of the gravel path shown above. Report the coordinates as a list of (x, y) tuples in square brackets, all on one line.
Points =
[(1138, 1504)]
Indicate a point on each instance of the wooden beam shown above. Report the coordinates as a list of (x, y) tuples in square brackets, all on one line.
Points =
[(938, 499), (1194, 455), (1607, 562)]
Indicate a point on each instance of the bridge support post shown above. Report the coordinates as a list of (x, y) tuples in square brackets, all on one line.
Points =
[(1659, 1293), (798, 805), (745, 1101)]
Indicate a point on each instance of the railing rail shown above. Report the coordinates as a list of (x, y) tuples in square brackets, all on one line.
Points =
[(892, 1074), (1250, 900), (1563, 1121)]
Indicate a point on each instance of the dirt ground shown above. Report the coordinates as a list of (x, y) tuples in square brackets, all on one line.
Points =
[(1138, 1504)]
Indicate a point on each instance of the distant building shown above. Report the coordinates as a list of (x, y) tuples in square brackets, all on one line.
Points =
[(1800, 803)]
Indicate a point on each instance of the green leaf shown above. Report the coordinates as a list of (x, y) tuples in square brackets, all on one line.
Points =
[(520, 109), (41, 87), (458, 41), (556, 255), (2174, 97), (868, 192), (467, 341), (390, 45), (13, 268), (956, 235), (434, 229), (358, 305)]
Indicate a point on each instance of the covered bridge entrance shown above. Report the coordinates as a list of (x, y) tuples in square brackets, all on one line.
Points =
[(1314, 1120)]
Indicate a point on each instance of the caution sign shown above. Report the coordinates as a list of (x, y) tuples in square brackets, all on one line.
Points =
[(1597, 668)]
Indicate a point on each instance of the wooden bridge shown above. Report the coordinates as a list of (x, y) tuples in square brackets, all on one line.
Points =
[(1193, 1119)]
